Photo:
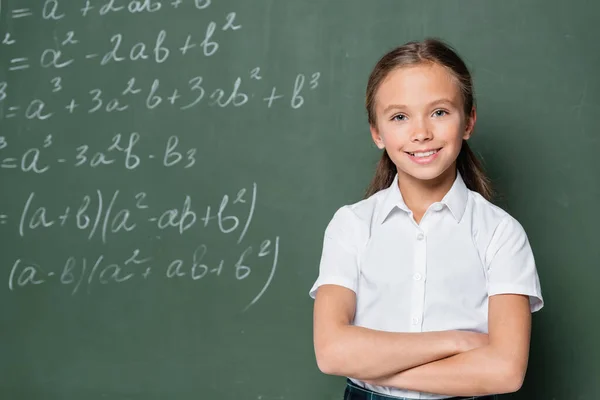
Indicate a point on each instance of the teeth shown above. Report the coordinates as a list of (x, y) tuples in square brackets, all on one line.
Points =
[(427, 154)]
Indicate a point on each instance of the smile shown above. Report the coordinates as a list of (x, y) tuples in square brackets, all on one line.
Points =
[(423, 157), (424, 154)]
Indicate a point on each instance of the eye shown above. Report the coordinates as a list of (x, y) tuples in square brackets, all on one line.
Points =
[(398, 117), (440, 113)]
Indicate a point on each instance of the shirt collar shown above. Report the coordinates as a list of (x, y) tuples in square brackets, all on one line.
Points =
[(455, 199)]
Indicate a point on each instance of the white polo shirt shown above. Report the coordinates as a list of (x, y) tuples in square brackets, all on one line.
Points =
[(432, 276)]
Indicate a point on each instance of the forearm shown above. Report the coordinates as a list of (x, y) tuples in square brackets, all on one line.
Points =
[(364, 353), (482, 371)]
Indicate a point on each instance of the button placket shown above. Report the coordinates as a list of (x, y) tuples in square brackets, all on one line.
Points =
[(418, 286)]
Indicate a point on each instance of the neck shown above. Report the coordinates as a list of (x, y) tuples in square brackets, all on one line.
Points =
[(419, 194)]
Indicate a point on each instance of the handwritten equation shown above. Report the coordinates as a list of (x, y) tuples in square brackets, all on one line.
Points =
[(101, 215), (195, 91), (194, 95), (77, 273), (121, 151), (160, 71)]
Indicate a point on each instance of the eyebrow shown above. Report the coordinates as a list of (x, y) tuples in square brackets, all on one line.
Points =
[(433, 103)]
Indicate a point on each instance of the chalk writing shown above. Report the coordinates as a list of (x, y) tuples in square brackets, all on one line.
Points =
[(54, 91), (120, 151), (82, 273), (196, 93), (96, 215)]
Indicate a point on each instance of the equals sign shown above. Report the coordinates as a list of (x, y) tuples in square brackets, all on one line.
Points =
[(21, 12), (3, 218), (20, 63), (11, 114), (9, 163)]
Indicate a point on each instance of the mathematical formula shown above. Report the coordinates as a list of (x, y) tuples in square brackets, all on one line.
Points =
[(156, 71), (102, 215), (51, 10), (79, 273), (121, 151), (194, 95)]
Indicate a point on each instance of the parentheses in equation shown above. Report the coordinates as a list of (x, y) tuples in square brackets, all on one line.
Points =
[(24, 213), (250, 214), (98, 215), (93, 271), (26, 276), (269, 279), (107, 215)]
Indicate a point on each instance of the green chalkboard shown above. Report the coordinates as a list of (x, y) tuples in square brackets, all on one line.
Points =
[(168, 169)]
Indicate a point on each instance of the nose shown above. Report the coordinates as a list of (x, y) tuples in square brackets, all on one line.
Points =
[(421, 132)]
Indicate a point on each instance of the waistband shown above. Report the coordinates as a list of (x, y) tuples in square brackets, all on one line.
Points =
[(355, 392)]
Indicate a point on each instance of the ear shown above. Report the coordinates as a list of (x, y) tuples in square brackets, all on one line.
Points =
[(470, 125), (376, 137)]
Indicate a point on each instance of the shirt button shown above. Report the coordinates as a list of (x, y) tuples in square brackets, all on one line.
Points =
[(438, 207), (415, 320), (417, 277), (420, 236)]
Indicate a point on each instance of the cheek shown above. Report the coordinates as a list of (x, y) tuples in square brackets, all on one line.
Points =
[(451, 131), (393, 134)]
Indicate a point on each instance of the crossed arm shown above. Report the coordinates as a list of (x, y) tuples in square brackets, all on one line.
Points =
[(454, 363)]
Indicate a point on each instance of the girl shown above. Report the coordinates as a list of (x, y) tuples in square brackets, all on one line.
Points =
[(425, 288)]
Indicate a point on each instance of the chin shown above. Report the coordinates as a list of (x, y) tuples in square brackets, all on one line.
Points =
[(424, 174)]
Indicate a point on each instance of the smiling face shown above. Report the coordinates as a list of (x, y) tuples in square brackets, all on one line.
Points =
[(421, 122)]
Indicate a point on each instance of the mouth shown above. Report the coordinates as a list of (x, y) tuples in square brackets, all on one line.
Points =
[(424, 157)]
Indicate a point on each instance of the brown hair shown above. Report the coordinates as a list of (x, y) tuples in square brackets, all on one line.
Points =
[(433, 51)]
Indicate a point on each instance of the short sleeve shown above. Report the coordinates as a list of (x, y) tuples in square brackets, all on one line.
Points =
[(338, 265), (511, 265)]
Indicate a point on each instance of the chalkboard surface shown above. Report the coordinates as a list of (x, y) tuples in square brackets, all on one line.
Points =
[(168, 169)]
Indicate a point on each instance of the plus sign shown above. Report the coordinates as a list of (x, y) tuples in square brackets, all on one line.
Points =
[(87, 8), (174, 97), (71, 107), (187, 45), (272, 97), (145, 274)]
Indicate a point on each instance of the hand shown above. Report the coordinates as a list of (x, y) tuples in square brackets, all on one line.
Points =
[(471, 340)]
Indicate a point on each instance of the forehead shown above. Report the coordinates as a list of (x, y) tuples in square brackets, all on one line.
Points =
[(418, 85)]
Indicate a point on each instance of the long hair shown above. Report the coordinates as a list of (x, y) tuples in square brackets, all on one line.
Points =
[(436, 51)]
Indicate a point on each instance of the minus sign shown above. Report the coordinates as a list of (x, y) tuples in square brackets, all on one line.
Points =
[(91, 55), (50, 273), (151, 156), (152, 219), (61, 160)]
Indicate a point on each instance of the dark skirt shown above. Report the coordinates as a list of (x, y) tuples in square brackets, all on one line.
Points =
[(355, 392)]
